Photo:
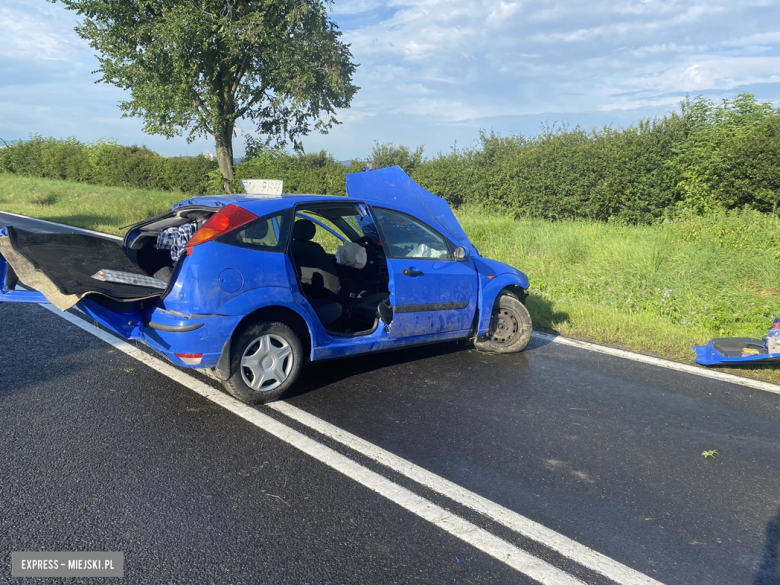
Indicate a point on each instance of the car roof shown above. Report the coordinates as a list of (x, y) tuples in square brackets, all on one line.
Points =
[(264, 204), (390, 187), (285, 199), (269, 203)]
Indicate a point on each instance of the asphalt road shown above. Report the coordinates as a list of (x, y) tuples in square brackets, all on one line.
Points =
[(102, 452)]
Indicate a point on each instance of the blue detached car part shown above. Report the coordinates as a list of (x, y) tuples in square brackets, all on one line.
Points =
[(255, 285), (741, 350)]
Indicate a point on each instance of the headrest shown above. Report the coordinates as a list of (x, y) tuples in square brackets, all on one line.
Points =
[(304, 230), (260, 230)]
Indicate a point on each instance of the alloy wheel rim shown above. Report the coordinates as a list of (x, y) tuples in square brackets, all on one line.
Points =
[(266, 363)]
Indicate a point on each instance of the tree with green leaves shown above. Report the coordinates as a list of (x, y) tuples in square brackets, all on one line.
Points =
[(196, 67)]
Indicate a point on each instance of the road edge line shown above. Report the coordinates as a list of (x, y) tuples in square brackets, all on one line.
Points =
[(660, 362)]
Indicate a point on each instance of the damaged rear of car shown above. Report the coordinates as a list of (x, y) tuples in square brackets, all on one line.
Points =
[(250, 287)]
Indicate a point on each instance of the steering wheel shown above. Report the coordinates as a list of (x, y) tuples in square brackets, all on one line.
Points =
[(372, 251), (369, 245), (365, 241)]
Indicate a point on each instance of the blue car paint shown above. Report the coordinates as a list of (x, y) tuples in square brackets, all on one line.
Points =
[(378, 341), (707, 355), (22, 296), (220, 285), (271, 297), (198, 289), (440, 289), (494, 277)]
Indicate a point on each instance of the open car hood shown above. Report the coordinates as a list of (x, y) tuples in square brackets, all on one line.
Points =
[(396, 187)]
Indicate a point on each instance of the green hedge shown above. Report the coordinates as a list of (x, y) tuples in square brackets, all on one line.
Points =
[(106, 163), (704, 157)]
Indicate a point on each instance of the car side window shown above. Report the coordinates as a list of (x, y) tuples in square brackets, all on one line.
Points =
[(409, 238), (268, 234)]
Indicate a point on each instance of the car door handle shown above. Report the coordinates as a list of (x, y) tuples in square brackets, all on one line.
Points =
[(412, 272)]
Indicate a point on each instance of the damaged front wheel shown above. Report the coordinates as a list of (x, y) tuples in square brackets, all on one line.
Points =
[(510, 327)]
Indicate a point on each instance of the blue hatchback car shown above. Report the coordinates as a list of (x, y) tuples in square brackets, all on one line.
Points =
[(253, 286)]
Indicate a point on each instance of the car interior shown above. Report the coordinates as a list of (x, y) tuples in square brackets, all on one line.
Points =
[(347, 289), (346, 286), (145, 249)]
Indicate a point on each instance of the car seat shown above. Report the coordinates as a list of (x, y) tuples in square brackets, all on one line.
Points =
[(320, 280)]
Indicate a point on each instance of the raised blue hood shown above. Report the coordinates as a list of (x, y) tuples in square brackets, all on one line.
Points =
[(396, 187)]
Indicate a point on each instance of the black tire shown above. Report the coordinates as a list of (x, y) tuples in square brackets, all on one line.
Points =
[(249, 342), (510, 327)]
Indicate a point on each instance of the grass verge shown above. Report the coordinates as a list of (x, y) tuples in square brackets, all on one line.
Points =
[(105, 209), (653, 289)]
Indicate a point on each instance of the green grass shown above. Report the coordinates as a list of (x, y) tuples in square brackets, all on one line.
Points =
[(105, 209), (654, 289)]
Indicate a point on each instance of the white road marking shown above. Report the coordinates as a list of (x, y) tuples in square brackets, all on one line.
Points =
[(483, 540), (572, 549), (661, 363), (629, 355)]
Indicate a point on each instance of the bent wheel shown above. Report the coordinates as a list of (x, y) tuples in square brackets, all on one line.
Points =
[(510, 327), (266, 359)]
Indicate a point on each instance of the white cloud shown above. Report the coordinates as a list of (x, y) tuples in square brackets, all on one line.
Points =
[(756, 39), (35, 35), (711, 72), (625, 103), (355, 6), (499, 57), (436, 69)]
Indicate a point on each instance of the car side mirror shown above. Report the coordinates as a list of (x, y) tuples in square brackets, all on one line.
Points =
[(460, 253)]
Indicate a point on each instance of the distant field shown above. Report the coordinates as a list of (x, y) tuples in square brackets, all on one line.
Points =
[(653, 289), (105, 209)]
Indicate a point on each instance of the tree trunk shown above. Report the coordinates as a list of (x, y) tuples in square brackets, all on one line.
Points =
[(224, 142)]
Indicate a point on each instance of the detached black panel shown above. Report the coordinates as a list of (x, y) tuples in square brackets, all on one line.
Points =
[(733, 346), (70, 260)]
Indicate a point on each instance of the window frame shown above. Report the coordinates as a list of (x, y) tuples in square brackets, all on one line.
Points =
[(360, 205), (386, 244), (320, 223)]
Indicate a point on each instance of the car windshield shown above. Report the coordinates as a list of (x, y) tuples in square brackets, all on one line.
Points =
[(410, 238)]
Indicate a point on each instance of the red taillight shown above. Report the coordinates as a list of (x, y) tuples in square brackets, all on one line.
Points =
[(192, 359), (225, 220)]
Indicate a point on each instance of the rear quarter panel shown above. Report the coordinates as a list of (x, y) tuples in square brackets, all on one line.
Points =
[(216, 273), (266, 279)]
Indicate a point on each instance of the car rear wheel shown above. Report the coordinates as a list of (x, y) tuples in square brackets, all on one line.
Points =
[(510, 327), (266, 359)]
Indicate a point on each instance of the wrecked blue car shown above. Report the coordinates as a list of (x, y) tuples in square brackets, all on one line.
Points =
[(252, 286)]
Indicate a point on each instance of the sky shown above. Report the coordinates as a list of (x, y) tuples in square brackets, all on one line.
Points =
[(436, 72)]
